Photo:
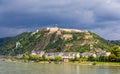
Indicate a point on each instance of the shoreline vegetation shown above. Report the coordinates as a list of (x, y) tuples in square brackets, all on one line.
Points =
[(112, 60), (87, 63)]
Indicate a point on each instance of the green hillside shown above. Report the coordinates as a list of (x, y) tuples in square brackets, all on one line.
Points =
[(52, 40)]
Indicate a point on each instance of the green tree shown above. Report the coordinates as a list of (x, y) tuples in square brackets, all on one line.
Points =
[(112, 58), (115, 50), (75, 59), (58, 58), (25, 57), (40, 59), (118, 59), (34, 58), (103, 59), (91, 58)]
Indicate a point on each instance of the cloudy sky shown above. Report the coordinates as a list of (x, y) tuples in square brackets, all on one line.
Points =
[(99, 16)]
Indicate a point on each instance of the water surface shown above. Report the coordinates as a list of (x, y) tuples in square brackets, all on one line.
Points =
[(34, 68)]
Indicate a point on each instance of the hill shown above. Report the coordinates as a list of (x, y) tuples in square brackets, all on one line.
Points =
[(53, 39), (115, 42)]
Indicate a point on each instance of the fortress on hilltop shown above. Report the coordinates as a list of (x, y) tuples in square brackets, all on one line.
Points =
[(55, 29)]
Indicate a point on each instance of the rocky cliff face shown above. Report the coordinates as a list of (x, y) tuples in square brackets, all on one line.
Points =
[(53, 39)]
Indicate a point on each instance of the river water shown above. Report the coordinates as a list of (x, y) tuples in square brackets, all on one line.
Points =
[(35, 68)]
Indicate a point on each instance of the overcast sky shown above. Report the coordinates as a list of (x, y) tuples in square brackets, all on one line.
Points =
[(99, 16)]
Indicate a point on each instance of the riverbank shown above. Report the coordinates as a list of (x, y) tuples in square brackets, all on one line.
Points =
[(78, 63), (97, 63), (108, 63)]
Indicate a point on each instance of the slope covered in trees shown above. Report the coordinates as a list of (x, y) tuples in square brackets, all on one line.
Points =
[(53, 40)]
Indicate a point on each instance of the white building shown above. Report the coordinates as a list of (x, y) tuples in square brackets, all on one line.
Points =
[(37, 53)]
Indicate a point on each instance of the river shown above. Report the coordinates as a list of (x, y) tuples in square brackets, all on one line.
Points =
[(36, 68)]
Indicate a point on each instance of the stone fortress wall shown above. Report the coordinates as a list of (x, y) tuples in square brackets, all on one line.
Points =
[(54, 29)]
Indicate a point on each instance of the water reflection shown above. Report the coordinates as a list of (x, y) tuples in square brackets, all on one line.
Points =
[(33, 68)]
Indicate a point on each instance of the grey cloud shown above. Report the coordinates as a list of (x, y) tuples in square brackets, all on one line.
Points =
[(85, 14), (107, 33), (6, 31)]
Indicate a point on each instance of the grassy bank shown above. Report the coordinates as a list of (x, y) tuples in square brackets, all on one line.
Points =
[(96, 63), (79, 63), (108, 63), (100, 63)]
